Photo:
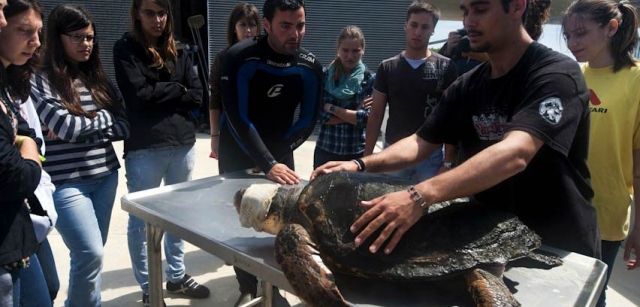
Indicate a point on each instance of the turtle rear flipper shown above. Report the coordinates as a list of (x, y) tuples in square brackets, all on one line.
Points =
[(301, 264), (488, 290)]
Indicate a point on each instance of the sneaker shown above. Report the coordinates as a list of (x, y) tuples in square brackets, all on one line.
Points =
[(188, 287), (146, 303)]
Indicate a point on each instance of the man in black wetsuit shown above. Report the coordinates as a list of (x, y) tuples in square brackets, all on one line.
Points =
[(271, 94), (264, 82)]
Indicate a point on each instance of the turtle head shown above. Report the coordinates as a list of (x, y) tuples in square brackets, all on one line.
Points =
[(259, 207)]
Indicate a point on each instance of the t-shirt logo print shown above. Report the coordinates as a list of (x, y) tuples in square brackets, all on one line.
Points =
[(551, 110), (275, 91)]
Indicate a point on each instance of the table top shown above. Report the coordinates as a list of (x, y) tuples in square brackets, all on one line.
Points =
[(202, 213)]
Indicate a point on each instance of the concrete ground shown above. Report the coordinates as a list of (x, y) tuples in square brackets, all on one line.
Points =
[(119, 288)]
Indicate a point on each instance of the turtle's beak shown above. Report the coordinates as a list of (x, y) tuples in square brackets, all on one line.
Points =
[(253, 204)]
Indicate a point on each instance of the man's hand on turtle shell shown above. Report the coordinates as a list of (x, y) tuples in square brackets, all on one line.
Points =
[(394, 212), (282, 174), (334, 166)]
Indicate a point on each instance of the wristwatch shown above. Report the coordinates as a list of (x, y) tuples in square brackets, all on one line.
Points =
[(332, 109)]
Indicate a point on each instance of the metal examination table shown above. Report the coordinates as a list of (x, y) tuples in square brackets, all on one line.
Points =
[(202, 213)]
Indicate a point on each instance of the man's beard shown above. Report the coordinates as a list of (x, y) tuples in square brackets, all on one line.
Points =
[(482, 48)]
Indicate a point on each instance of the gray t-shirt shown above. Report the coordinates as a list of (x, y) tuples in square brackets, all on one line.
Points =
[(412, 93)]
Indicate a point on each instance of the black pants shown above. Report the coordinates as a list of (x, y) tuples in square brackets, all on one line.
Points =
[(609, 253), (232, 159)]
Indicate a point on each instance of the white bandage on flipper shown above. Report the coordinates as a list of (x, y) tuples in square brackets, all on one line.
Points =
[(255, 204)]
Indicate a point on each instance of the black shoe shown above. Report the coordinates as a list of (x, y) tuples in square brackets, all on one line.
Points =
[(279, 300), (188, 287), (145, 300), (244, 298)]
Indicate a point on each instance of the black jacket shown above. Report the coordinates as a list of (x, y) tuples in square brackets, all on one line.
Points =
[(18, 179), (158, 102)]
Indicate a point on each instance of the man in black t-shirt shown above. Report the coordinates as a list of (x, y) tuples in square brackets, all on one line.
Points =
[(521, 125)]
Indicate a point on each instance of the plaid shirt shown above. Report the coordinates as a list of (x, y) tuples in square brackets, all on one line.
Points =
[(345, 138)]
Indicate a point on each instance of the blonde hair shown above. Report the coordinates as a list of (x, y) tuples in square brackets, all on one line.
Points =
[(348, 32)]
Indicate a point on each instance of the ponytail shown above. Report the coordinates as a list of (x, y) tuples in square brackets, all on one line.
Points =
[(348, 32), (624, 41)]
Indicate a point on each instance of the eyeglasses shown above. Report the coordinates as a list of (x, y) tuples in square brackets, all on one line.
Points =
[(153, 14), (79, 38)]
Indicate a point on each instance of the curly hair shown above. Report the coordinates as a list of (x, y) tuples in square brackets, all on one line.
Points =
[(537, 14)]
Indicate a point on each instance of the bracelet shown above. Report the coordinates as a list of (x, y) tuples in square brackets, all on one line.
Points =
[(417, 198), (215, 134), (361, 166), (447, 165)]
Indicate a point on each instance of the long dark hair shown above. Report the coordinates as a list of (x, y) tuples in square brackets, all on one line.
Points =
[(602, 12), (64, 19), (16, 78), (166, 50), (241, 11)]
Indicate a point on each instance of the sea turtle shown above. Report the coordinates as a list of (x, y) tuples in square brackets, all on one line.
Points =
[(313, 220)]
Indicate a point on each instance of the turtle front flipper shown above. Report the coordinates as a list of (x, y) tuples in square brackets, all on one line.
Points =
[(301, 264), (488, 290)]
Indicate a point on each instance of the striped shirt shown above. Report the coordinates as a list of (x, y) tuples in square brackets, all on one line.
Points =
[(82, 149), (345, 138)]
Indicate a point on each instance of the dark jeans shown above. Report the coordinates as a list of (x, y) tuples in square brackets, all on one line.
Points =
[(31, 288), (321, 156), (609, 253), (48, 266)]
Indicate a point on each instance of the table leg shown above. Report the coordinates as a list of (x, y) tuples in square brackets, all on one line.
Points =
[(154, 258), (267, 293)]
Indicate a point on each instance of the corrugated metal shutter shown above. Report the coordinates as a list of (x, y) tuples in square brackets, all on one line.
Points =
[(381, 21), (111, 19)]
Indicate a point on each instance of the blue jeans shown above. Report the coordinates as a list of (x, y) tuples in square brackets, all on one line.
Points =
[(84, 212), (423, 170), (146, 168), (8, 281), (30, 279), (31, 287)]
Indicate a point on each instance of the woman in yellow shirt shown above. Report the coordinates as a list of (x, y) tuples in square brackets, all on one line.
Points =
[(603, 34)]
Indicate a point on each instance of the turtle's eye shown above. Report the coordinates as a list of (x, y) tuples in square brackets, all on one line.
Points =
[(237, 199)]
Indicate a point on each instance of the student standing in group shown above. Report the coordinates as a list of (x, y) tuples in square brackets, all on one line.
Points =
[(603, 33), (41, 274), (244, 23), (347, 82), (83, 113), (411, 83), (160, 88), (19, 159), (264, 82), (521, 122)]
